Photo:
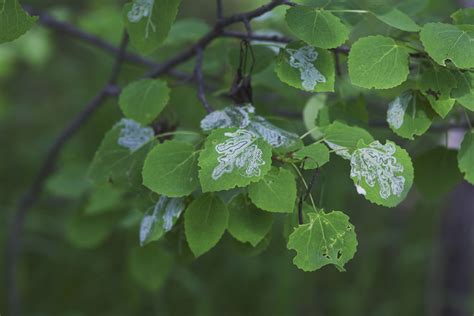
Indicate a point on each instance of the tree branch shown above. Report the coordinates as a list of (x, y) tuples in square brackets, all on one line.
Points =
[(13, 246), (200, 82)]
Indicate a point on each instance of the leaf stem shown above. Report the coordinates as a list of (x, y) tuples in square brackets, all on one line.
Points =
[(349, 11), (305, 185)]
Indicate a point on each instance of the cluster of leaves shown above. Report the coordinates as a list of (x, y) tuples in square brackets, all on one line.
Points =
[(240, 173)]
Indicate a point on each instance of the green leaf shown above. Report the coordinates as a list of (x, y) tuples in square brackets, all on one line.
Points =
[(436, 172), (464, 92), (144, 99), (149, 21), (306, 68), (466, 157), (398, 19), (14, 21), (378, 62), (246, 222), (171, 169), (315, 155), (463, 16), (103, 199), (328, 238), (316, 27), (409, 114), (120, 157), (262, 55), (311, 113), (69, 181), (343, 139), (436, 84), (276, 192), (85, 231), (449, 42), (160, 219), (186, 30), (205, 221), (150, 266), (383, 174), (233, 158)]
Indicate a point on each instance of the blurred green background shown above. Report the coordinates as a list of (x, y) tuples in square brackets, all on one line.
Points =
[(415, 259)]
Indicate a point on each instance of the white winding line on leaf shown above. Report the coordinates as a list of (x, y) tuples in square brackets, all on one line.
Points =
[(396, 110), (376, 164), (243, 117), (241, 152), (303, 59), (133, 135), (142, 9)]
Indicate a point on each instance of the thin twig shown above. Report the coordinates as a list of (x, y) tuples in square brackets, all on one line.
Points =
[(200, 81), (219, 10), (13, 247)]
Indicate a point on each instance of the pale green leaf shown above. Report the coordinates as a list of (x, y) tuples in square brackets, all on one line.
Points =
[(120, 157), (383, 174), (466, 157), (436, 84), (328, 238), (463, 16), (449, 42), (316, 27), (143, 100), (464, 92), (150, 266), (314, 155), (398, 19), (171, 169), (233, 158), (409, 114), (186, 30), (205, 221), (378, 62), (343, 139), (14, 21), (306, 68), (160, 218), (246, 222), (149, 21), (276, 192)]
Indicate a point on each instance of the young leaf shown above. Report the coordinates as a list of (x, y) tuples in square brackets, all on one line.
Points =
[(378, 62), (306, 68), (383, 174), (409, 114), (441, 162), (233, 158), (449, 42), (328, 238), (150, 266), (316, 27), (466, 157), (143, 100), (246, 222), (315, 155), (276, 192), (205, 221), (463, 16), (464, 91), (149, 21), (343, 139), (120, 157), (160, 219), (171, 169), (14, 21), (398, 19), (436, 84)]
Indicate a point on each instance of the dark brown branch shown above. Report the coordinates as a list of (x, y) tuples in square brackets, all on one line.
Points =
[(13, 246), (200, 82), (219, 10), (212, 35)]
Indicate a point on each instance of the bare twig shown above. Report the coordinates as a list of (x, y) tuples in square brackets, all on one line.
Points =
[(200, 81), (13, 247), (219, 9)]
